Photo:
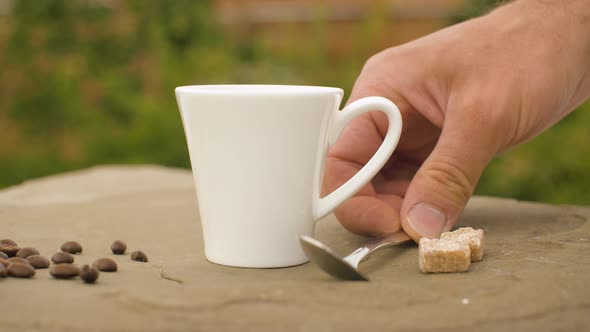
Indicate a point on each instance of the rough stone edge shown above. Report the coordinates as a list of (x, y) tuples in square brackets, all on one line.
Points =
[(40, 191)]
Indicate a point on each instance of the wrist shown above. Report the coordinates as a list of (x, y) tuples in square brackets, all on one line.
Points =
[(561, 26), (568, 20)]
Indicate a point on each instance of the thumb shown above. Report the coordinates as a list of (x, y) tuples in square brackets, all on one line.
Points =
[(444, 183)]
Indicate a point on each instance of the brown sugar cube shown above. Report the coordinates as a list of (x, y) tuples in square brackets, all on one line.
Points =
[(473, 237), (436, 256)]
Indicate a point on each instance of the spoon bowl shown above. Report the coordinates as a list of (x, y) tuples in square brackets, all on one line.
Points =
[(347, 268), (328, 261)]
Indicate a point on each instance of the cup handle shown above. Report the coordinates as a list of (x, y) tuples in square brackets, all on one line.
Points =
[(323, 206)]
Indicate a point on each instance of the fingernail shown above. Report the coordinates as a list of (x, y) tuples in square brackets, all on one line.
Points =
[(427, 220)]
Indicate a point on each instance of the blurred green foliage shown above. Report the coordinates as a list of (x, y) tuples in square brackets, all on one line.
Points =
[(83, 84), (475, 8)]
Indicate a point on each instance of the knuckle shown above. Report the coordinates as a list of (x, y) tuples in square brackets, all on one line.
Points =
[(479, 111), (485, 112), (374, 61), (376, 76), (454, 182), (387, 58), (488, 119)]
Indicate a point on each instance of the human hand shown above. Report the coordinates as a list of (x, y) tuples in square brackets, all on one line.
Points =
[(466, 93)]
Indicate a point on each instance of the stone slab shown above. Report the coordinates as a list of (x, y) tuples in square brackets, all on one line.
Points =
[(534, 276)]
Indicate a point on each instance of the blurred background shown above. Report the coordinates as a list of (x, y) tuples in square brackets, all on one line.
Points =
[(86, 82)]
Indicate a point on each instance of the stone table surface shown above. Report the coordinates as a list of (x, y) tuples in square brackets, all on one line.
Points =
[(535, 276)]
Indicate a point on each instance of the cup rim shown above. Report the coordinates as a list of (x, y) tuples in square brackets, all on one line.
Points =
[(257, 89)]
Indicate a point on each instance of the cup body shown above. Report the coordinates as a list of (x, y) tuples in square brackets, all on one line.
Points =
[(257, 153)]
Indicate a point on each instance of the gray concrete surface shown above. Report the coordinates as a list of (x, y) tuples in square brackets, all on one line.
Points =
[(535, 276)]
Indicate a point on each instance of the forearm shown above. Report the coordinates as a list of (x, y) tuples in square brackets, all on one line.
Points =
[(571, 15), (563, 30)]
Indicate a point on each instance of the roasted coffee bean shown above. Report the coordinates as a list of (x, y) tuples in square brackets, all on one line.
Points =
[(89, 274), (3, 271), (105, 265), (20, 270), (71, 247), (9, 249), (64, 271), (15, 259), (4, 261), (8, 241), (62, 257), (139, 256), (26, 252), (118, 247), (38, 261), (3, 255)]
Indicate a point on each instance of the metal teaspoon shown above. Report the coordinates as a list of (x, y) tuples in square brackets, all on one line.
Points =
[(346, 268)]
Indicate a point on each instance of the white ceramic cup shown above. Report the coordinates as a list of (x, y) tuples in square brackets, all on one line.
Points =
[(257, 154)]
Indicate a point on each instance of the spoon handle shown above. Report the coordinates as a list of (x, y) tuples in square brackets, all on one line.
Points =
[(387, 240), (375, 244)]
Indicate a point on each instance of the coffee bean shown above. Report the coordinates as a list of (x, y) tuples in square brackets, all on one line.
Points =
[(89, 274), (62, 257), (139, 256), (9, 249), (4, 261), (105, 265), (64, 271), (3, 271), (71, 247), (8, 241), (3, 255), (15, 259), (38, 261), (20, 270), (118, 247), (26, 252)]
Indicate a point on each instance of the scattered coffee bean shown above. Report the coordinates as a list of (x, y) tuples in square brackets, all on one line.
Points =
[(64, 271), (71, 247), (26, 252), (118, 247), (88, 274), (3, 255), (9, 249), (38, 261), (3, 271), (105, 265), (62, 257), (15, 259), (139, 256), (8, 241), (20, 270)]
